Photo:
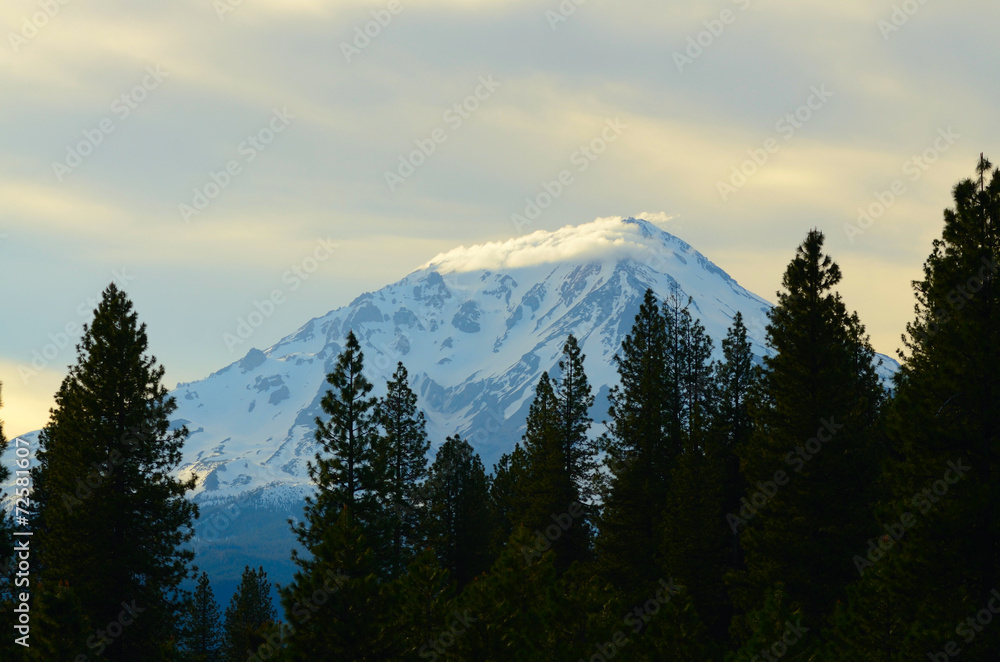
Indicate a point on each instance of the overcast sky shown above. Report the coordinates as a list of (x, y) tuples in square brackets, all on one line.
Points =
[(116, 117)]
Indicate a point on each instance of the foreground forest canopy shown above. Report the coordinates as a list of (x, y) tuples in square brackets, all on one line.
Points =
[(731, 510)]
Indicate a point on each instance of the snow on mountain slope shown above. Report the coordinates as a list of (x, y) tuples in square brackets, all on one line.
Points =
[(475, 327)]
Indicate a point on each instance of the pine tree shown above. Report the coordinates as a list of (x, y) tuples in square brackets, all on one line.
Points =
[(347, 513), (811, 463), (509, 613), (458, 511), (335, 607), (204, 631), (577, 457), (423, 604), (60, 630), (349, 466), (541, 484), (249, 614), (688, 354), (508, 502), (672, 631), (778, 630), (943, 427), (406, 445), (111, 520), (737, 381), (694, 542), (639, 452), (866, 625), (559, 461)]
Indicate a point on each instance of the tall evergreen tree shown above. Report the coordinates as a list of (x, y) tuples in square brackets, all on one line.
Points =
[(458, 510), (405, 444), (688, 354), (510, 612), (348, 466), (204, 631), (508, 502), (693, 542), (112, 521), (59, 628), (558, 482), (423, 598), (943, 428), (340, 523), (736, 378), (639, 452), (737, 381), (778, 630), (811, 464), (335, 605), (574, 397), (249, 614), (541, 483), (577, 457)]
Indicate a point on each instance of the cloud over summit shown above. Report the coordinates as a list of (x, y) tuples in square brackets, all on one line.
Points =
[(610, 238)]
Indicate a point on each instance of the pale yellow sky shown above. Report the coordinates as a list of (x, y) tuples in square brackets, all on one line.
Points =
[(115, 115)]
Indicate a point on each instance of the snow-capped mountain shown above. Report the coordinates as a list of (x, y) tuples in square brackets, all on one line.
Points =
[(475, 328)]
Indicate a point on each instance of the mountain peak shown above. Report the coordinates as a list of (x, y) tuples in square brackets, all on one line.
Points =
[(601, 240)]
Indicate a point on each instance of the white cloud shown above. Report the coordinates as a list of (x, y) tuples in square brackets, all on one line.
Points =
[(607, 239)]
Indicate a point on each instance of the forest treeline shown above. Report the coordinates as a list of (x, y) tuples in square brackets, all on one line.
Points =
[(787, 507)]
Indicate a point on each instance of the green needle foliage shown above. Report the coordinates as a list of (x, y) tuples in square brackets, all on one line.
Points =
[(459, 527), (112, 520), (248, 617), (812, 462), (404, 445), (203, 639)]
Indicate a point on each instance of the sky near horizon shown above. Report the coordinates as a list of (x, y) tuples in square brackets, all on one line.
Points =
[(203, 153)]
